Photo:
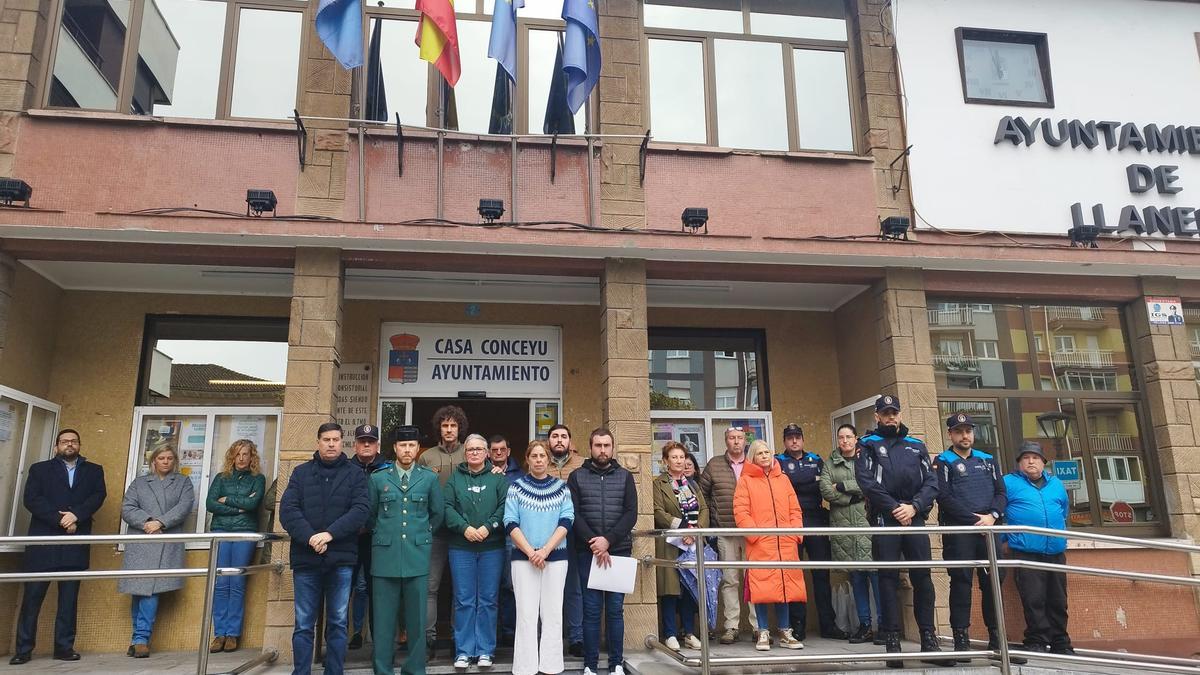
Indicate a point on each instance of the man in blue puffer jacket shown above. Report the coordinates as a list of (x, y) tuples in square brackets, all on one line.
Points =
[(1038, 498)]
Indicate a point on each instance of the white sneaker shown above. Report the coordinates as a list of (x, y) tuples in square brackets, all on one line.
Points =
[(484, 662), (616, 670), (672, 643), (764, 641), (588, 671), (789, 641), (691, 641), (461, 663)]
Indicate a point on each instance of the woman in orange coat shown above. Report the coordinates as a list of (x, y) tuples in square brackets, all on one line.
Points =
[(764, 498)]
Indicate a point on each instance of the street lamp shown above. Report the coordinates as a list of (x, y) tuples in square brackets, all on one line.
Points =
[(1054, 425)]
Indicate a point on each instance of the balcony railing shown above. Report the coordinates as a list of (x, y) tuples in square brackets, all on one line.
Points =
[(1075, 313), (956, 362), (1195, 349), (951, 317), (1083, 358), (1112, 442)]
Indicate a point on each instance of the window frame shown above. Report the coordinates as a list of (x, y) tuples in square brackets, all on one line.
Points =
[(708, 39), (129, 57), (1041, 46), (25, 458), (712, 337)]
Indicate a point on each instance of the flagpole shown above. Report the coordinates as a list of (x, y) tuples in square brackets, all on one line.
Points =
[(441, 145), (362, 159)]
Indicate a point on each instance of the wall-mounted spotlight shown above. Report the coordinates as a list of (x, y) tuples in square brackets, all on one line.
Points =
[(491, 209), (894, 228), (260, 201), (694, 218), (1084, 236), (14, 190)]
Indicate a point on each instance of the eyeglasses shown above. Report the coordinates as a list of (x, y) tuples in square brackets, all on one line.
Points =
[(475, 450), (734, 429), (69, 441)]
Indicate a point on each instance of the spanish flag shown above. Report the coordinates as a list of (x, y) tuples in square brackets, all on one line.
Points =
[(437, 36)]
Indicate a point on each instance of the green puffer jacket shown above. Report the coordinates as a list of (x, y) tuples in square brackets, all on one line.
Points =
[(243, 493), (846, 509)]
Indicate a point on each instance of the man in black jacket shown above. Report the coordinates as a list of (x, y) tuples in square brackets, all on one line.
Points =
[(61, 494), (896, 476), (605, 500), (368, 458), (323, 508)]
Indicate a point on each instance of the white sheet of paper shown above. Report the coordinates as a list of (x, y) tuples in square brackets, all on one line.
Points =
[(677, 542), (618, 578)]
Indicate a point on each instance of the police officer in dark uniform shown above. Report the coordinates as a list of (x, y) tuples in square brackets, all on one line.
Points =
[(896, 475), (804, 470), (970, 492)]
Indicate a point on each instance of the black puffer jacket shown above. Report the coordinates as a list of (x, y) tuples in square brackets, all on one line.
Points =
[(606, 506), (325, 497)]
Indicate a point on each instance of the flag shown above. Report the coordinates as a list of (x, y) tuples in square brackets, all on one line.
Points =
[(377, 108), (581, 55), (448, 117), (437, 36), (501, 121), (339, 25), (502, 45), (559, 119)]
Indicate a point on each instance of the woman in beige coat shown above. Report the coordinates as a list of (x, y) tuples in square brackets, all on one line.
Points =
[(678, 504)]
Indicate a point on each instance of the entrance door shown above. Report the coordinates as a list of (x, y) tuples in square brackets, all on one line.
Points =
[(485, 416)]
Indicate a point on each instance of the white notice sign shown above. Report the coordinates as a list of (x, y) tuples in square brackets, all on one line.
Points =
[(1164, 311), (352, 402)]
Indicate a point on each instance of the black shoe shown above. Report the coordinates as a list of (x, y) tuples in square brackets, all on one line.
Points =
[(20, 659), (862, 635), (891, 641), (835, 634), (801, 633), (962, 643), (69, 655), (356, 641), (1067, 650), (929, 643), (576, 649)]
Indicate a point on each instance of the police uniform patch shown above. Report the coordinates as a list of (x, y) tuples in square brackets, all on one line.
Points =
[(883, 452), (961, 418), (962, 468), (791, 466)]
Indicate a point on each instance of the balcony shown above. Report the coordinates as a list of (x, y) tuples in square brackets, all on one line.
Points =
[(1054, 313), (1195, 349), (1113, 443), (951, 317), (1076, 358), (956, 362)]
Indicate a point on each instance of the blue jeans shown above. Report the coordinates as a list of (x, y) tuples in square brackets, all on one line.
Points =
[(310, 587), (506, 603), (572, 594), (613, 606), (144, 610), (864, 583), (230, 592), (475, 576), (685, 606), (782, 615)]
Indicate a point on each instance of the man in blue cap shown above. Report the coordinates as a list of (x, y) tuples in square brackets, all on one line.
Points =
[(897, 477)]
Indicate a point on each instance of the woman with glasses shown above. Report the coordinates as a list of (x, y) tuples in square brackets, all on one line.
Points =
[(475, 518)]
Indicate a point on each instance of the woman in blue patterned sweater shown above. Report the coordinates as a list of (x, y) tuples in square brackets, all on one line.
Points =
[(537, 515)]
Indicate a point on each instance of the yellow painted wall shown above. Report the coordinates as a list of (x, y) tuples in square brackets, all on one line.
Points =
[(34, 324)]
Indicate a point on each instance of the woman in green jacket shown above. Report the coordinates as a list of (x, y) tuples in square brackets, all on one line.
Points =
[(233, 500), (678, 503), (475, 518), (846, 509)]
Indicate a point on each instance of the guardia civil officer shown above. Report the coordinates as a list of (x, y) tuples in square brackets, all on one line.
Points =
[(970, 492), (406, 509), (896, 475)]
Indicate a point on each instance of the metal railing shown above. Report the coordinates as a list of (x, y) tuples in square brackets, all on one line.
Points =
[(210, 572), (962, 316), (705, 661)]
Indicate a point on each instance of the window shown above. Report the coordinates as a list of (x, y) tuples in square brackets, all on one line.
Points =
[(977, 348), (1039, 341), (1064, 343), (705, 369), (988, 349), (27, 428), (756, 74), (703, 433), (1004, 67), (180, 67)]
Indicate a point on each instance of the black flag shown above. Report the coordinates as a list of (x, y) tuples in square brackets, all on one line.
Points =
[(502, 118), (559, 119), (377, 108)]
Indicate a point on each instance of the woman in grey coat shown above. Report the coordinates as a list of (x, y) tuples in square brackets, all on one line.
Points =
[(157, 503)]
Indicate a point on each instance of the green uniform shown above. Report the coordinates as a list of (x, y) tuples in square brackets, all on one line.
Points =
[(404, 516)]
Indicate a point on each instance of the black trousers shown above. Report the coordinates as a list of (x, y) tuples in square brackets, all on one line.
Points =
[(912, 547), (64, 620), (968, 547), (1044, 599), (817, 548)]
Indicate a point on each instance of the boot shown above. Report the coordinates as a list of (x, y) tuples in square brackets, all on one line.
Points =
[(962, 643), (929, 643), (994, 645), (863, 634), (891, 641)]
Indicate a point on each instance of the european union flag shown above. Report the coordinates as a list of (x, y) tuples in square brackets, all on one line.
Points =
[(581, 53), (502, 44), (339, 25)]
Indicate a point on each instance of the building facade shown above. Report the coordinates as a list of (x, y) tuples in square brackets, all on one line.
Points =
[(144, 302)]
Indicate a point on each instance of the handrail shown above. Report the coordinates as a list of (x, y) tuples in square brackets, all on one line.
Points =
[(210, 572), (1088, 657)]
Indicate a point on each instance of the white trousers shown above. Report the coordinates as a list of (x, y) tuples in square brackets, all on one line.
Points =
[(539, 594)]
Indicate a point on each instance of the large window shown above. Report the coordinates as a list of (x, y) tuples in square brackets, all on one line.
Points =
[(1060, 376), (204, 59), (756, 74), (27, 428)]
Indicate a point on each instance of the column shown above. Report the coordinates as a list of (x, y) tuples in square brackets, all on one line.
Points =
[(321, 185), (622, 199), (626, 386), (314, 345)]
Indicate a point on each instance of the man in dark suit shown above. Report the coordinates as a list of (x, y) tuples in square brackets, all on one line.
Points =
[(62, 495)]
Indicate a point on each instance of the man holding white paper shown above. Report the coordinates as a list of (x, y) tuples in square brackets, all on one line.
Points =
[(605, 499)]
